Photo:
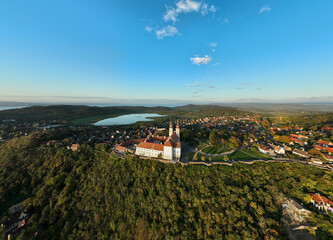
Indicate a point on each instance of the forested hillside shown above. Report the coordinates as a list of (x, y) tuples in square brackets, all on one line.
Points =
[(89, 195)]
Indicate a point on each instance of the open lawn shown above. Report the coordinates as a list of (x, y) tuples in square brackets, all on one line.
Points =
[(215, 149), (238, 155), (257, 154)]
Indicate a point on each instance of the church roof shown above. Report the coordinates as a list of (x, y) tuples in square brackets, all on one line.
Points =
[(174, 137), (153, 146)]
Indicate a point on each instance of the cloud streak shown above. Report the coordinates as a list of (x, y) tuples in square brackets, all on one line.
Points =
[(200, 60), (265, 8), (167, 31), (187, 6)]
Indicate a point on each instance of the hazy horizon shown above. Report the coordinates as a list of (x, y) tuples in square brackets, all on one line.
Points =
[(175, 50)]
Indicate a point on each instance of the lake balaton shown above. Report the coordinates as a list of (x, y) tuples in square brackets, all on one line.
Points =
[(127, 119)]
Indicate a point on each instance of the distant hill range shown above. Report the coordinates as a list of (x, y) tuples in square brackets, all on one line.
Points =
[(80, 114), (74, 113)]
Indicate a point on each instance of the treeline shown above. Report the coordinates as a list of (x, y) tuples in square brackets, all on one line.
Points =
[(88, 195)]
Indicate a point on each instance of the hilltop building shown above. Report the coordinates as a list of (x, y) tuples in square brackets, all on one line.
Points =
[(321, 202), (161, 147)]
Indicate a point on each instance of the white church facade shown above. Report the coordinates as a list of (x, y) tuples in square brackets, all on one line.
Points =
[(161, 147)]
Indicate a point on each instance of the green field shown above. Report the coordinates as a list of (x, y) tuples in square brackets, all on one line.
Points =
[(245, 154), (215, 149), (257, 154)]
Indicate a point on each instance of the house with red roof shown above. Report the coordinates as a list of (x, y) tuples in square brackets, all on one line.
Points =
[(329, 150), (324, 143), (321, 203)]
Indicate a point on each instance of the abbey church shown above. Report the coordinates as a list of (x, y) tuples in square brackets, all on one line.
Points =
[(161, 147)]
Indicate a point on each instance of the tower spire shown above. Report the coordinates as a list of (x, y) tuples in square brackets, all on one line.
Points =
[(177, 129), (170, 129)]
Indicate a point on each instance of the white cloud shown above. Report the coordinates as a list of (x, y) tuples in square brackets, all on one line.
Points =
[(171, 15), (187, 6), (148, 29), (196, 84), (204, 9), (226, 20), (213, 44), (212, 9), (265, 8), (167, 31), (201, 60), (216, 64)]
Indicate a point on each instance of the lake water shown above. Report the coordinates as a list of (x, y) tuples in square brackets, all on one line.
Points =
[(12, 107), (127, 119)]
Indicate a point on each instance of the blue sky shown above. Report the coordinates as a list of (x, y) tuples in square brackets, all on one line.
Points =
[(149, 50)]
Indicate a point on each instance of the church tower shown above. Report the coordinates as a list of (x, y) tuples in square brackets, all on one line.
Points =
[(170, 129), (178, 130)]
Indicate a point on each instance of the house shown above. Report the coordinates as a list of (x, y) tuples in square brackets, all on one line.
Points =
[(321, 203), (318, 147), (75, 147), (316, 161), (301, 153), (328, 158), (324, 143), (16, 223), (16, 208), (286, 148), (266, 149), (327, 129), (278, 149), (329, 150), (295, 208), (120, 148)]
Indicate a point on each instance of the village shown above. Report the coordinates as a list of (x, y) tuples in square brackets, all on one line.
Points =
[(249, 137)]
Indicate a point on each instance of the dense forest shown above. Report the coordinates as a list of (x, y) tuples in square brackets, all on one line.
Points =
[(90, 194)]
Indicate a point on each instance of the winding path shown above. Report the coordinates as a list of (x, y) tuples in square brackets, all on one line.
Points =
[(230, 163)]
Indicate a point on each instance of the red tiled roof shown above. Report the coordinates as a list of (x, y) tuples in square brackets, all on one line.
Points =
[(132, 141), (177, 145), (153, 146), (319, 198), (120, 148), (318, 147), (329, 149), (324, 142), (294, 135), (327, 128), (168, 143)]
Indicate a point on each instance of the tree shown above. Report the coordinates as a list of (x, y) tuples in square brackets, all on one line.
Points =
[(210, 158), (276, 138), (214, 138), (284, 139), (314, 151), (203, 158), (266, 123), (225, 158)]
